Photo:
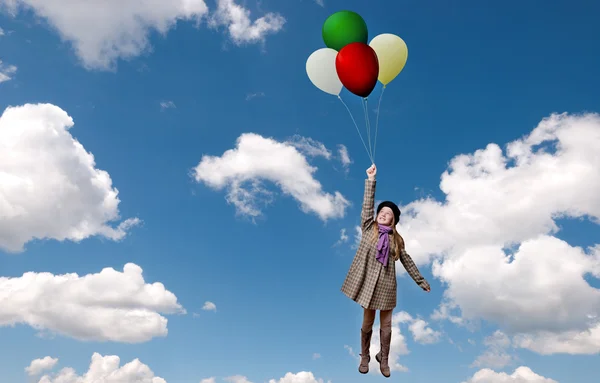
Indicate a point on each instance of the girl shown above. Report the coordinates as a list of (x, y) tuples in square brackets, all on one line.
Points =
[(371, 280)]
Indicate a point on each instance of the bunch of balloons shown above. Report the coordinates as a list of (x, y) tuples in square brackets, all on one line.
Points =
[(348, 61)]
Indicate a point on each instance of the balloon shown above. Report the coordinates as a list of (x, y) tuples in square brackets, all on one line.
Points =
[(321, 71), (357, 67), (343, 28), (392, 53)]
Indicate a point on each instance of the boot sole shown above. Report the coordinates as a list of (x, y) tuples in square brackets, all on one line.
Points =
[(367, 368), (378, 359)]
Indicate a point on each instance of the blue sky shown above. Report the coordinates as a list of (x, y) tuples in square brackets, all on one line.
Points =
[(259, 232)]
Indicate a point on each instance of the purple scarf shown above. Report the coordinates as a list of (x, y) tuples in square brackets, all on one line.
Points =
[(383, 244)]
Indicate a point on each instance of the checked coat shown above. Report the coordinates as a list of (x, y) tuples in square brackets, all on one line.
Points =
[(368, 282)]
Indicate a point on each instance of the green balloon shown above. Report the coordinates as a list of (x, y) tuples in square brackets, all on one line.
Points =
[(343, 28)]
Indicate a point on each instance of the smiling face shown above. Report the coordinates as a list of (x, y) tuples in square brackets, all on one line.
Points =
[(385, 216)]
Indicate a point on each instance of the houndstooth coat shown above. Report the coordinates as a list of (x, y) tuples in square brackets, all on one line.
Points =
[(368, 282)]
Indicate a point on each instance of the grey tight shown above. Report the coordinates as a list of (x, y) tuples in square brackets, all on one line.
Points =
[(385, 319)]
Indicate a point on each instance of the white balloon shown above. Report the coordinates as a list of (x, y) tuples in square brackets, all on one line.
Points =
[(321, 71)]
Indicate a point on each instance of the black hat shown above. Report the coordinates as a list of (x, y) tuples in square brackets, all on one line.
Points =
[(392, 206)]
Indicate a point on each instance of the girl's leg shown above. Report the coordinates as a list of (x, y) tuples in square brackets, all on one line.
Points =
[(365, 340), (368, 320), (385, 335), (385, 318)]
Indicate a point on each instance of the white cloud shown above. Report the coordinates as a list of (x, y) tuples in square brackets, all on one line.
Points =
[(106, 369), (237, 379), (1, 32), (309, 147), (320, 2), (422, 333), (106, 306), (6, 72), (208, 380), (343, 235), (357, 237), (37, 366), (521, 375), (495, 356), (496, 201), (50, 187), (344, 156), (209, 306), (241, 28), (343, 238), (300, 377), (251, 96), (351, 351), (257, 159), (108, 31), (420, 330), (167, 105)]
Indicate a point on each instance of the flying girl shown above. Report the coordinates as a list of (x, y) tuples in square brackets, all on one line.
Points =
[(371, 280)]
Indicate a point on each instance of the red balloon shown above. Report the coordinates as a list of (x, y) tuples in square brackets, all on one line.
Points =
[(358, 68)]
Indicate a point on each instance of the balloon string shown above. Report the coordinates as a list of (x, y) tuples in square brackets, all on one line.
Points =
[(369, 123), (365, 105), (356, 126), (377, 122)]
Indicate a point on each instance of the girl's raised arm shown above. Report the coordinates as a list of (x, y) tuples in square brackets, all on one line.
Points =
[(368, 207)]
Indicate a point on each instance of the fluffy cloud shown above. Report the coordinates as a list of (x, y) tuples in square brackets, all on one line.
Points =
[(107, 306), (106, 369), (495, 356), (6, 72), (494, 236), (37, 366), (344, 156), (343, 238), (208, 380), (301, 377), (209, 306), (422, 333), (241, 28), (108, 31), (357, 237), (256, 158), (252, 96), (237, 379), (309, 147), (420, 330), (50, 187), (521, 375), (167, 105)]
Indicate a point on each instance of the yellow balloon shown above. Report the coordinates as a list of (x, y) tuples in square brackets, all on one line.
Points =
[(392, 53)]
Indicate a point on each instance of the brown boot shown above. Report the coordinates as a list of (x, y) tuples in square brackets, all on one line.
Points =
[(365, 357), (383, 355)]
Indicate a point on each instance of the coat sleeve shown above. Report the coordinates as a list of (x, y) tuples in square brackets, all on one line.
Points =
[(412, 269), (368, 207)]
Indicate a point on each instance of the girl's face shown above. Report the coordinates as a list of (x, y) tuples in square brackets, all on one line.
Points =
[(385, 216)]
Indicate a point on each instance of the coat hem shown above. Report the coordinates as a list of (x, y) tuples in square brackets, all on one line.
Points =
[(369, 307)]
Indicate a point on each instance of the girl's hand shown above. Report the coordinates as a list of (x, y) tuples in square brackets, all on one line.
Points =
[(371, 172), (425, 286)]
